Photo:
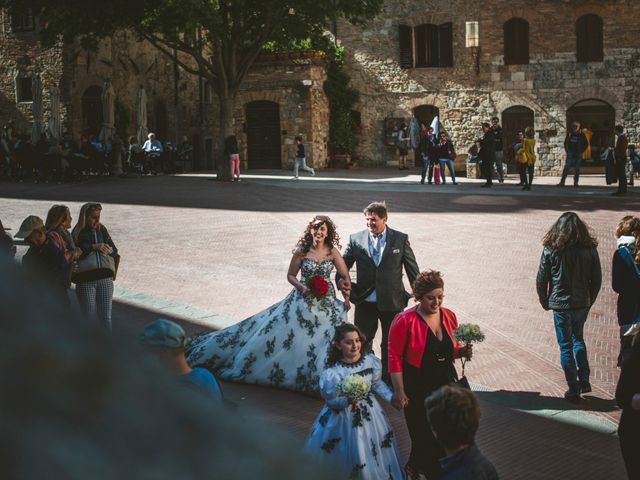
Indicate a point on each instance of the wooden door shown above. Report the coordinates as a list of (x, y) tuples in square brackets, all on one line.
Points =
[(263, 135)]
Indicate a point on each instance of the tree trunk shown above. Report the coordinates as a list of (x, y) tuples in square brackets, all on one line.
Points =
[(227, 103)]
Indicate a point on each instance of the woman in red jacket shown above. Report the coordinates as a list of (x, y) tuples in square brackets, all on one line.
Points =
[(421, 353)]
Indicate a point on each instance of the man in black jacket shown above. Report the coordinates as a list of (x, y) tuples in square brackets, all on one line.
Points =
[(496, 129), (574, 145), (487, 153), (380, 254)]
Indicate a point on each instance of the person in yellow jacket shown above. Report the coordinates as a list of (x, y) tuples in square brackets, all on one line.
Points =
[(526, 156), (586, 155)]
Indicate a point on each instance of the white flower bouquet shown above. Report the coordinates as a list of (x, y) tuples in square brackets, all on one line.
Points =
[(354, 387), (468, 333)]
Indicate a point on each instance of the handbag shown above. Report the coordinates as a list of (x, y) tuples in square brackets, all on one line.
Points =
[(462, 381), (96, 260)]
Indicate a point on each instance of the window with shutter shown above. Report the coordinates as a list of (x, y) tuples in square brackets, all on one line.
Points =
[(420, 35), (516, 41), (589, 39), (406, 46), (445, 43)]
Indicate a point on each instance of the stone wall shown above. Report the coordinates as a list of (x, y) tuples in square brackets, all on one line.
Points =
[(123, 60), (549, 85), (296, 85)]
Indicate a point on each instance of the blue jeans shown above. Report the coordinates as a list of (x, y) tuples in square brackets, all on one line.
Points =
[(573, 352), (427, 167), (573, 160), (449, 163)]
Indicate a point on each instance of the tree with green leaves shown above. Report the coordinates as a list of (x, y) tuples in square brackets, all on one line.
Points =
[(218, 40)]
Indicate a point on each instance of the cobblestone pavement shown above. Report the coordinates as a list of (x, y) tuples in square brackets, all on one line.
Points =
[(214, 253)]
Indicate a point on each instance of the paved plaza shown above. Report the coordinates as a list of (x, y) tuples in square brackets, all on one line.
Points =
[(210, 254)]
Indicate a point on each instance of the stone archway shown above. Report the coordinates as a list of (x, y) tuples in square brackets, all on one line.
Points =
[(263, 134), (514, 119), (426, 113), (92, 110), (599, 117)]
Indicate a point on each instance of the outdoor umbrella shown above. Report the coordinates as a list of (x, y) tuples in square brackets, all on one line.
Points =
[(36, 108), (54, 115), (108, 113)]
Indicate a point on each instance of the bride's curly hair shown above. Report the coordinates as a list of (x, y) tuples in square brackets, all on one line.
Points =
[(333, 239), (333, 352)]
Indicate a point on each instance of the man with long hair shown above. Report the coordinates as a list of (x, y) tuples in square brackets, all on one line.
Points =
[(568, 282)]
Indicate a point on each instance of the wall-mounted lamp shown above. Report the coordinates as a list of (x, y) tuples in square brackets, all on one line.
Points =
[(472, 42)]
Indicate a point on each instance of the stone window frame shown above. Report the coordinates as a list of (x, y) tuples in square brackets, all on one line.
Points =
[(589, 38), (24, 23), (21, 81), (516, 40), (426, 45)]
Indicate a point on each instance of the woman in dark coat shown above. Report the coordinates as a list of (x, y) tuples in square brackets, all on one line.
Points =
[(625, 278), (628, 399)]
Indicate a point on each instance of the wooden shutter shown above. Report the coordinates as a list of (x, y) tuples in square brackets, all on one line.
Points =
[(432, 50), (420, 35), (516, 41), (589, 39), (406, 46), (445, 43)]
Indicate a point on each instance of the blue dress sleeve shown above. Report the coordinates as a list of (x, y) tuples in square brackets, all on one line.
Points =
[(328, 382)]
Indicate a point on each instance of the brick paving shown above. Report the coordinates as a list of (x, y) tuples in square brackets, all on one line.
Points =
[(224, 248)]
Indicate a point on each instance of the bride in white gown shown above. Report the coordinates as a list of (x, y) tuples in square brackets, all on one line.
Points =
[(285, 346)]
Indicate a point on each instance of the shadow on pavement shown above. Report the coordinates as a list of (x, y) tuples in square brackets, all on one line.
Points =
[(277, 195), (532, 401)]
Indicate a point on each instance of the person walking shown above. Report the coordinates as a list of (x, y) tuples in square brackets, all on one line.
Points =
[(496, 129), (574, 146), (526, 157), (231, 150), (301, 160), (429, 155), (380, 254), (446, 156), (487, 154), (620, 157), (568, 281), (403, 141), (422, 349)]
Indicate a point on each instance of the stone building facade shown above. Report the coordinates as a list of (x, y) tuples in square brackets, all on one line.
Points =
[(176, 102), (281, 98), (542, 64)]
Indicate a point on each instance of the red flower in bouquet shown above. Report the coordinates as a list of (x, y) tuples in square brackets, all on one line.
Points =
[(318, 287)]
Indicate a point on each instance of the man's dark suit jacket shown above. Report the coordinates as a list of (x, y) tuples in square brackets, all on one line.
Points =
[(386, 278)]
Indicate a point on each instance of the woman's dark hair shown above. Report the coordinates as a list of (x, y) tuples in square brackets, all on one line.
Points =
[(231, 145), (569, 230), (426, 282), (454, 415), (333, 352), (333, 239)]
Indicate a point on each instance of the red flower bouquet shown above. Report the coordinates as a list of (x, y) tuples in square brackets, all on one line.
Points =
[(318, 287)]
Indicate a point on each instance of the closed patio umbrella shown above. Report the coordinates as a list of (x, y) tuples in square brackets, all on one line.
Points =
[(108, 112), (36, 108), (141, 115), (53, 126)]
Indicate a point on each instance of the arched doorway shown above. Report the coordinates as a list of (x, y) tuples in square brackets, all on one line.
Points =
[(92, 110), (263, 134), (160, 121), (599, 117), (514, 119), (426, 113)]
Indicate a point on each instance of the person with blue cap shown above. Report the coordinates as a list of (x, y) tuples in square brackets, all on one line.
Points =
[(166, 339)]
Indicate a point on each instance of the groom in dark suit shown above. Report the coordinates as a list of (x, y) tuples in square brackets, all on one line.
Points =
[(379, 253)]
